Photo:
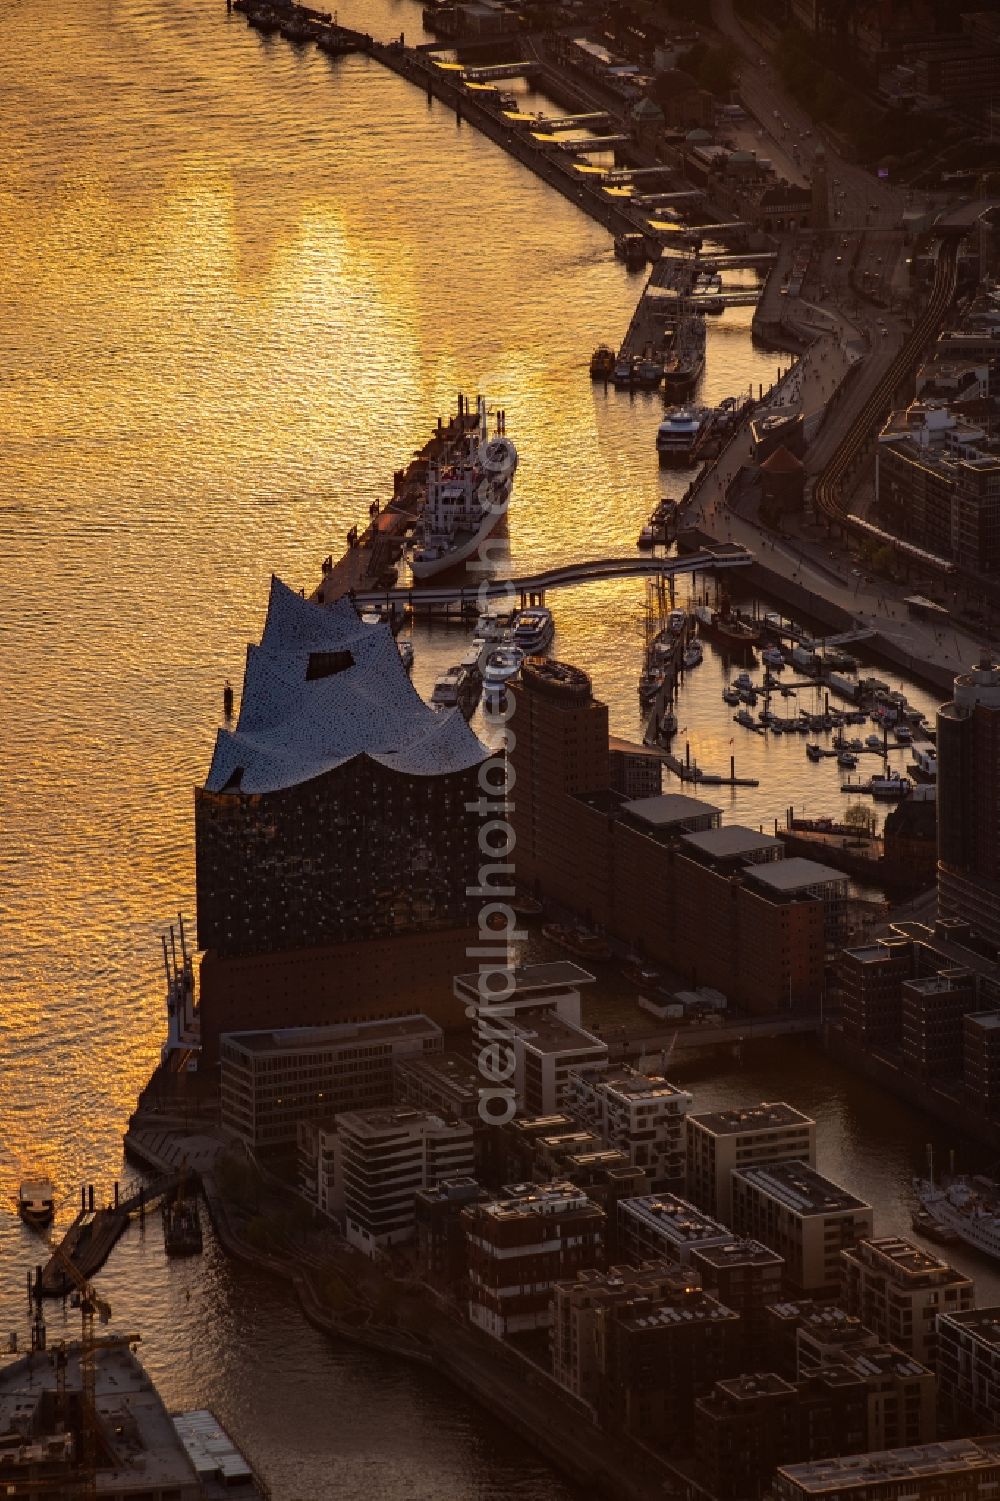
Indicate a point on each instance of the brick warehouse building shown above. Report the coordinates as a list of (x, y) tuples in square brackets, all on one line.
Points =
[(334, 847), (638, 868)]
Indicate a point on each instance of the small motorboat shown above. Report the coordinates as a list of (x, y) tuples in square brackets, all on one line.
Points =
[(847, 758), (602, 363), (36, 1201), (667, 728), (771, 657), (814, 752), (730, 695), (406, 654), (693, 655)]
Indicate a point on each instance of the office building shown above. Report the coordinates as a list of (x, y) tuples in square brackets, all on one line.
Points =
[(897, 1290), (548, 1053), (720, 1140), (968, 1366), (968, 795), (385, 1158), (334, 841), (961, 1469), (642, 1115), (520, 1245), (270, 1081), (981, 1060), (445, 1084), (665, 1227), (932, 1011), (636, 770), (870, 980), (804, 1217)]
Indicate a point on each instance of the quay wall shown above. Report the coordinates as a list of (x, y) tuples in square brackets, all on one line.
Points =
[(917, 1092), (572, 185)]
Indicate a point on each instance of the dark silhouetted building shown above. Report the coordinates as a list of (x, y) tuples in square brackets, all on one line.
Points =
[(968, 783)]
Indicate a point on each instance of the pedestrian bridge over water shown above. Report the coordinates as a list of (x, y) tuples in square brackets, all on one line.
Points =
[(724, 556)]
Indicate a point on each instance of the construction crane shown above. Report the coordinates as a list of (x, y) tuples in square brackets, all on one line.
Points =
[(91, 1305)]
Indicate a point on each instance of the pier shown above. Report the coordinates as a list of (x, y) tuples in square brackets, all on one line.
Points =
[(94, 1233)]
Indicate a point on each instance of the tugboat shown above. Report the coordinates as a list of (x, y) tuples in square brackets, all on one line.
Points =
[(36, 1202), (181, 1223), (602, 363)]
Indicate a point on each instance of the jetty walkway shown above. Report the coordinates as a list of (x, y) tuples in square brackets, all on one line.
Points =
[(724, 556), (94, 1233)]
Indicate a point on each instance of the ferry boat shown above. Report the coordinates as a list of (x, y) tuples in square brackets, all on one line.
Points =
[(602, 363), (678, 434), (500, 665), (36, 1201), (466, 501), (533, 629), (968, 1207), (456, 689)]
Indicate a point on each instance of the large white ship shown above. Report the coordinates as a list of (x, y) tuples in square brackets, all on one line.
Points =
[(465, 501), (961, 1208)]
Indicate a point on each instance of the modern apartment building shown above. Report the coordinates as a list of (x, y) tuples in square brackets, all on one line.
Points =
[(385, 1158), (968, 1366), (549, 1052), (804, 1217), (962, 1469), (270, 1081), (520, 1245), (665, 1227), (720, 1140), (898, 1289), (641, 1115), (745, 1276), (968, 796)]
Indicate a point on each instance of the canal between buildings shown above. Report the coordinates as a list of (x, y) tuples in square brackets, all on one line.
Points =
[(239, 283)]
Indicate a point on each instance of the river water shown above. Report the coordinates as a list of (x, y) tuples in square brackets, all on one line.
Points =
[(239, 281)]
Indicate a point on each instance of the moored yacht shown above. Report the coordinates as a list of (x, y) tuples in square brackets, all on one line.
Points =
[(457, 689), (678, 434), (501, 664)]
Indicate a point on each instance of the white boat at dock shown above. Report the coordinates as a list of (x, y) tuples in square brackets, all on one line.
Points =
[(457, 689), (465, 501), (679, 434), (966, 1207), (501, 664), (533, 630)]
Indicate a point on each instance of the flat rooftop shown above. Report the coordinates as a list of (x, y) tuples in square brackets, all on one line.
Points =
[(738, 1253), (695, 1307), (540, 1198), (732, 841), (548, 1033), (674, 1220), (988, 1020), (983, 1322), (671, 810), (800, 1188), (449, 1071), (795, 874), (337, 1034), (763, 1117), (913, 1262), (531, 979), (393, 1118), (632, 1085), (847, 1472)]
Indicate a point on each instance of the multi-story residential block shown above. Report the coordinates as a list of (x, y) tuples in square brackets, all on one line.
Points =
[(663, 1226), (870, 981), (272, 1080), (720, 1140), (743, 1429), (804, 1217), (932, 1025), (548, 1052), (954, 1470), (520, 1245), (746, 1277), (968, 1366), (898, 1289), (385, 1158), (640, 1114), (581, 1309), (968, 795), (441, 1239), (981, 1060), (336, 834), (802, 1336), (659, 1357)]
